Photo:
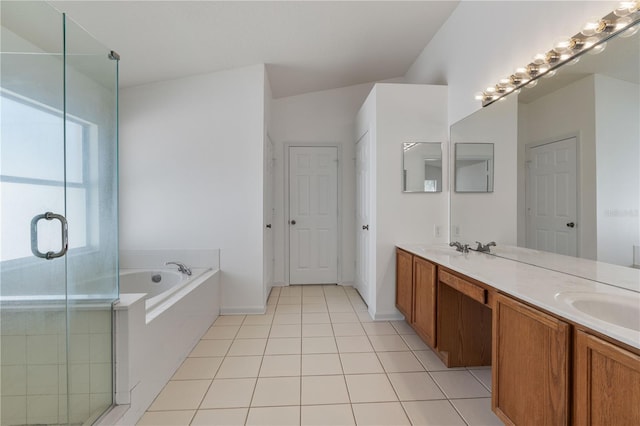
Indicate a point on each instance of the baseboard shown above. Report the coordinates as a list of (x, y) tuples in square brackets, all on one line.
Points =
[(243, 310)]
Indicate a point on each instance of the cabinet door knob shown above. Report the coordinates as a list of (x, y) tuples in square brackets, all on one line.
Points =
[(365, 227)]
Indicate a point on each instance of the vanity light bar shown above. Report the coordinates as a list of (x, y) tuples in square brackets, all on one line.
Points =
[(623, 21)]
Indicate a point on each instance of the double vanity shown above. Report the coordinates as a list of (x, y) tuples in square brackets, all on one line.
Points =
[(563, 349)]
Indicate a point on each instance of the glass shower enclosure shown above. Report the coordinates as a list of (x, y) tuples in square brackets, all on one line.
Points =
[(58, 218)]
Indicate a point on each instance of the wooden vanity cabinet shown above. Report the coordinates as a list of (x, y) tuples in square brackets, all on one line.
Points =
[(416, 294), (606, 383), (530, 368), (424, 300), (404, 284)]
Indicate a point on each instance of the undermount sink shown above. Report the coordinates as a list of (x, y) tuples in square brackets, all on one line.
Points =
[(619, 310)]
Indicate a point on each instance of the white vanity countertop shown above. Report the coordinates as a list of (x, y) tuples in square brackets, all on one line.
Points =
[(538, 286), (607, 273)]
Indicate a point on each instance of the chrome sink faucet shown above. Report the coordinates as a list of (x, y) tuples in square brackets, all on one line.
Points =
[(459, 247), (181, 267), (485, 248)]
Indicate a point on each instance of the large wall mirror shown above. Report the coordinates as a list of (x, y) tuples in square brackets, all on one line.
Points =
[(568, 180), (421, 167)]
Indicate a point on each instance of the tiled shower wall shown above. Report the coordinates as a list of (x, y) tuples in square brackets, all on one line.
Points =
[(34, 357)]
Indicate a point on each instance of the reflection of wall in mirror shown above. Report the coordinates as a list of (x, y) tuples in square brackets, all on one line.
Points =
[(602, 112), (489, 216)]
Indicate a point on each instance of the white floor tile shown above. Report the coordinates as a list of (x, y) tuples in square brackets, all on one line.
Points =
[(198, 368), (476, 411), (229, 320), (370, 388), (459, 384), (321, 364), (253, 332), (280, 366), (239, 367), (399, 362), (245, 347), (166, 418), (319, 345), (286, 346), (348, 329), (229, 393), (317, 330), (353, 344), (360, 363), (379, 328), (483, 374), (324, 390), (415, 386), (380, 414), (226, 416), (180, 395), (327, 415), (388, 343), (315, 318), (288, 330), (276, 391), (222, 332), (432, 413), (279, 318), (274, 416)]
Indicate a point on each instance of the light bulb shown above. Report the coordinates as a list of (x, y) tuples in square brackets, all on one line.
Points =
[(630, 31), (539, 58), (626, 7), (562, 45), (591, 27), (598, 48)]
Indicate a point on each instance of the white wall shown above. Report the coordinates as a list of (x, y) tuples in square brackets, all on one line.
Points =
[(402, 113), (484, 41), (617, 105), (489, 216), (319, 117), (568, 111), (191, 173)]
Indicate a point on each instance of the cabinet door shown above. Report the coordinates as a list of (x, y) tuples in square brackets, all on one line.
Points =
[(424, 300), (404, 284), (530, 365), (606, 383)]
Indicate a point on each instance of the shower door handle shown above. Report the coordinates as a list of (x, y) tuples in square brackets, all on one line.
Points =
[(34, 235)]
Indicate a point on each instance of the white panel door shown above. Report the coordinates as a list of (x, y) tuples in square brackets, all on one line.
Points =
[(363, 227), (552, 197), (313, 215)]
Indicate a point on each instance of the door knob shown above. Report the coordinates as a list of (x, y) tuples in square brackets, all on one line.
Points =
[(293, 222), (571, 225), (365, 227)]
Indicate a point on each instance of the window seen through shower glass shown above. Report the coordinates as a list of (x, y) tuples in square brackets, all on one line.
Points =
[(31, 170)]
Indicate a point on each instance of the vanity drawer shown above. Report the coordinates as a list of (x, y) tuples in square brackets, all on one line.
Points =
[(465, 287)]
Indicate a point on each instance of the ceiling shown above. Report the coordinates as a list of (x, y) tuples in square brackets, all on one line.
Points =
[(306, 45)]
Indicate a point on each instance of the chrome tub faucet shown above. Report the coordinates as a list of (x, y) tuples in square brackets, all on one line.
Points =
[(181, 267)]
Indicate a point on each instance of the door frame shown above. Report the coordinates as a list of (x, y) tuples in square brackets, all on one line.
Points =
[(527, 150), (285, 191)]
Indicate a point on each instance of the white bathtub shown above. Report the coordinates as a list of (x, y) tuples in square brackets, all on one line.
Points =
[(159, 285), (158, 323)]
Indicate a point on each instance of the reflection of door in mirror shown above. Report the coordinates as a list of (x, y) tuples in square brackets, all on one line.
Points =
[(551, 196), (474, 167), (421, 167)]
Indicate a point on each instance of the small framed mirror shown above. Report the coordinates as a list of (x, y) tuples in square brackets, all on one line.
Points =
[(422, 167), (474, 167)]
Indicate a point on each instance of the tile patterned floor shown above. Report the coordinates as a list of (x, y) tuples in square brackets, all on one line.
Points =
[(316, 358)]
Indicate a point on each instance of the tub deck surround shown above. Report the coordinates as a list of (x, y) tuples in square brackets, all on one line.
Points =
[(531, 284)]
